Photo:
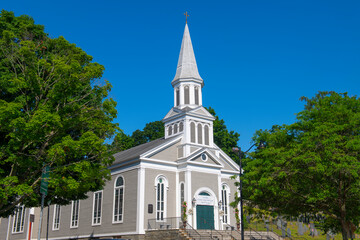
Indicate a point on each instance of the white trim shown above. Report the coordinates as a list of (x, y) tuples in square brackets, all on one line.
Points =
[(153, 160), (93, 208), (220, 197), (228, 159), (72, 213), (159, 167), (216, 208), (158, 148), (22, 220), (117, 170), (178, 194), (204, 164), (140, 201), (227, 189), (232, 173), (123, 200), (188, 195), (8, 229), (166, 188), (55, 216)]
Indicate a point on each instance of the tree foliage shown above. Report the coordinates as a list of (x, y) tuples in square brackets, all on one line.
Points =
[(311, 166), (151, 131), (54, 111), (223, 138)]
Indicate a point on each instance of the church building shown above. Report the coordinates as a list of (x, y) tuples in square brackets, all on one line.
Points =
[(150, 182)]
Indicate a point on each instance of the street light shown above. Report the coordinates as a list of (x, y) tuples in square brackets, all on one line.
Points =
[(239, 152)]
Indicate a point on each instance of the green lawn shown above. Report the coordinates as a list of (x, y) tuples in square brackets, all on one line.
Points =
[(260, 226)]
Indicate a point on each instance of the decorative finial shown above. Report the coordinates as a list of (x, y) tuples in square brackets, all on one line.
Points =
[(186, 16)]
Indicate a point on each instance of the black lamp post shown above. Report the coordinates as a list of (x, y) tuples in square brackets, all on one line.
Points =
[(239, 152)]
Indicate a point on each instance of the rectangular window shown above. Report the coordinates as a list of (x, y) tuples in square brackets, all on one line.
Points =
[(224, 205), (75, 207), (19, 216), (97, 208), (56, 220)]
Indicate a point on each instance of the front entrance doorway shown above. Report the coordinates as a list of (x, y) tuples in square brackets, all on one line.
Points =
[(205, 217)]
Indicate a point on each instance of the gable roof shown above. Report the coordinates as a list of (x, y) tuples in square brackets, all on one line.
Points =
[(135, 152)]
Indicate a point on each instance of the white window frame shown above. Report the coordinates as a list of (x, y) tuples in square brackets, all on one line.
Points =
[(94, 219), (225, 193), (56, 217), (123, 200), (19, 217), (72, 225), (164, 201)]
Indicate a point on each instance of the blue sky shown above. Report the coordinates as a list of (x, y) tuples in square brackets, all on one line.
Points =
[(257, 58)]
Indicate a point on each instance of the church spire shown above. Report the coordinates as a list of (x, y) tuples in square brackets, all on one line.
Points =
[(187, 69)]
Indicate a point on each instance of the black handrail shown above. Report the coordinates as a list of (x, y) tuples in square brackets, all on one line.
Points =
[(189, 229)]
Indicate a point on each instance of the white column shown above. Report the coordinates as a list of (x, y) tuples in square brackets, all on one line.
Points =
[(140, 201), (188, 195), (192, 94), (177, 201), (182, 99), (219, 198)]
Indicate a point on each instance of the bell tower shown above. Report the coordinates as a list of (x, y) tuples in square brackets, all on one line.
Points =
[(187, 82), (188, 117)]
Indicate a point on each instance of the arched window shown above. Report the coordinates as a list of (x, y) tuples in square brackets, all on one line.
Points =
[(181, 127), (182, 196), (199, 133), (204, 194), (161, 185), (224, 203), (177, 92), (196, 95), (187, 95), (169, 130), (175, 128), (206, 132), (192, 132), (119, 200)]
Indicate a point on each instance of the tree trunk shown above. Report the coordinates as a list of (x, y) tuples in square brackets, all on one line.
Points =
[(346, 230)]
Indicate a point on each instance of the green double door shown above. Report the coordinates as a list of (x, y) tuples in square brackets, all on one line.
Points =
[(205, 217)]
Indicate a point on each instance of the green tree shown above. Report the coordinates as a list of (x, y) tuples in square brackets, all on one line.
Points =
[(54, 111), (151, 131), (223, 138), (311, 166)]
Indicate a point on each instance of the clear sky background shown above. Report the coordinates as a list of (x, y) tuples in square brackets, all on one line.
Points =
[(257, 58)]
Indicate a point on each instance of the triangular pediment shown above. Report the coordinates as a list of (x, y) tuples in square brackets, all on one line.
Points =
[(172, 112), (201, 111), (206, 158)]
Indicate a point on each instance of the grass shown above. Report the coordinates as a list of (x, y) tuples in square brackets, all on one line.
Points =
[(260, 226)]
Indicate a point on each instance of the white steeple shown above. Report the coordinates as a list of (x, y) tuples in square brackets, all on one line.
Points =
[(188, 117), (187, 68), (187, 82)]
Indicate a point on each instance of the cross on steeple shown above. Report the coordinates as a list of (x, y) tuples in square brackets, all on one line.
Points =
[(186, 16)]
